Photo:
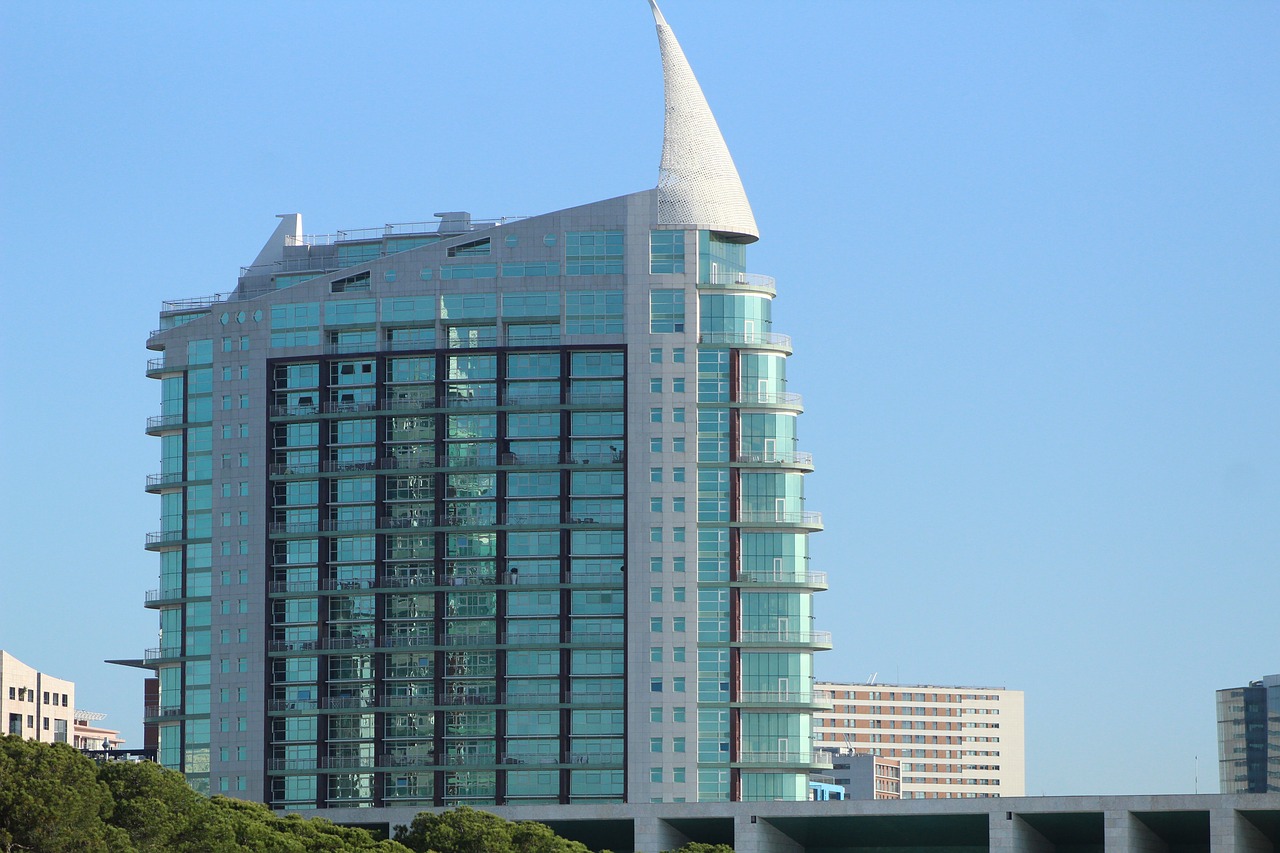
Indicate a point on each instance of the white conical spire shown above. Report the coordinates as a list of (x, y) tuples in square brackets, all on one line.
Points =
[(698, 185)]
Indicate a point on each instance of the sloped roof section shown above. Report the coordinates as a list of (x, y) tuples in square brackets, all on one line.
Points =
[(698, 185)]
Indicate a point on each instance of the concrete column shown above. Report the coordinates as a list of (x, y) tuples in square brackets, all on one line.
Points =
[(655, 835), (1232, 832), (1016, 835), (761, 837), (1124, 833)]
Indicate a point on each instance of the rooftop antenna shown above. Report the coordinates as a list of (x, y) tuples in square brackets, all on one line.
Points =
[(872, 679)]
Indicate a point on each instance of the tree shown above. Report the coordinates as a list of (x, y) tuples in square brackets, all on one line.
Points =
[(700, 847), (467, 830), (51, 800)]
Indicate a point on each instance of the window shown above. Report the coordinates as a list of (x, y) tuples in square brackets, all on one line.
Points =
[(655, 594), (655, 775), (678, 594), (677, 534), (677, 744), (677, 504), (677, 355), (655, 714), (655, 654), (655, 744), (677, 415), (678, 654), (593, 252), (655, 415), (677, 444), (677, 714), (677, 385), (666, 252), (655, 445), (655, 475), (655, 685), (677, 624), (677, 684), (655, 534), (677, 475), (655, 355), (655, 504), (655, 624), (666, 311), (655, 386), (655, 564)]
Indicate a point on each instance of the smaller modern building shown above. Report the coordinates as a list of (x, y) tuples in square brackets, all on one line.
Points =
[(949, 741), (864, 776), (35, 705), (92, 737), (1249, 737)]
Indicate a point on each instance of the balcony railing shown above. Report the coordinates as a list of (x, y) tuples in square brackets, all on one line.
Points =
[(742, 281), (752, 340), (159, 711), (532, 400), (156, 423), (781, 578), (192, 303), (781, 399), (153, 655), (808, 758), (156, 482), (783, 697), (781, 458), (818, 639), (164, 537), (159, 596), (530, 459), (811, 520), (594, 398)]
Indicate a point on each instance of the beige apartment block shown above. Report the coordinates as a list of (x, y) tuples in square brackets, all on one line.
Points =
[(950, 741), (34, 705)]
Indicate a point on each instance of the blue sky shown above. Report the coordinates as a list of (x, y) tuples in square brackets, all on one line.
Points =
[(1028, 253)]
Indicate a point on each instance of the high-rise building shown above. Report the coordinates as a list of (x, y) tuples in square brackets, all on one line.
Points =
[(1249, 737), (491, 511), (949, 741)]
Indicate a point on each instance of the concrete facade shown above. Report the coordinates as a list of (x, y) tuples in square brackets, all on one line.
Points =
[(1200, 823)]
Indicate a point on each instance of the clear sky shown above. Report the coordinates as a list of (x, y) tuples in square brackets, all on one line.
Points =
[(1028, 253)]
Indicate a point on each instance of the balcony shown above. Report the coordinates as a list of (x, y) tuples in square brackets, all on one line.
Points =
[(596, 700), (783, 699), (534, 459), (786, 639), (164, 538), (754, 282), (755, 518), (516, 638), (157, 483), (529, 699), (162, 655), (781, 758), (533, 401), (595, 399), (157, 424), (612, 456), (160, 597), (747, 340), (162, 712), (771, 400), (596, 638), (808, 580), (776, 459), (287, 764), (410, 641), (531, 519), (159, 366)]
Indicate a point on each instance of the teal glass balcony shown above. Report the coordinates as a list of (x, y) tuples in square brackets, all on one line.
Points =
[(785, 639)]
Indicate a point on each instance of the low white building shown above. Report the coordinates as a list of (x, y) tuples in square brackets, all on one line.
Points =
[(34, 705)]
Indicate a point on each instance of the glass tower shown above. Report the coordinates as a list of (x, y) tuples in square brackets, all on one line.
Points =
[(485, 512)]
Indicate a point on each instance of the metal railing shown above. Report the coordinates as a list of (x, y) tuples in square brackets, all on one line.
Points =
[(164, 421), (784, 458), (787, 399), (772, 578), (192, 303), (797, 519), (767, 340), (786, 638), (743, 281)]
